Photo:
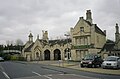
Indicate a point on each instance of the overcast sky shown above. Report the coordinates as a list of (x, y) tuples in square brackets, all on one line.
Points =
[(19, 17)]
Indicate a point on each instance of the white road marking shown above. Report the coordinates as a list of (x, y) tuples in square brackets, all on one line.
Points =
[(6, 75), (50, 75), (1, 68), (42, 75), (47, 77), (36, 73), (61, 74)]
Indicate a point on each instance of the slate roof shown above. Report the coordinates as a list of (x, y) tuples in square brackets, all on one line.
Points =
[(51, 43), (109, 46), (98, 30), (88, 22), (43, 42), (29, 48), (60, 42)]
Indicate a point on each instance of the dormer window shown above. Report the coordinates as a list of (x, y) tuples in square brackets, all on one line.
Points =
[(81, 29)]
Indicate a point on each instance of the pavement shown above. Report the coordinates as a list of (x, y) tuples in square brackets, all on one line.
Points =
[(76, 65)]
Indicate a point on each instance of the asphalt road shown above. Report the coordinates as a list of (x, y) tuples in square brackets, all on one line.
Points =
[(22, 70)]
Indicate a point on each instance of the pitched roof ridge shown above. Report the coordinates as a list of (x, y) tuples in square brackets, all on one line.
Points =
[(99, 30)]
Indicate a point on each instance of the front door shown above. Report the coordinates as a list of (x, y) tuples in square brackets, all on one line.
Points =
[(57, 54), (47, 55)]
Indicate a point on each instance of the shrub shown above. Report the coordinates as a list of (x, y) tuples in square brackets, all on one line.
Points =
[(7, 57), (14, 58), (21, 59)]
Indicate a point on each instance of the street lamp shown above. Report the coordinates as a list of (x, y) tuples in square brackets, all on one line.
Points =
[(68, 53)]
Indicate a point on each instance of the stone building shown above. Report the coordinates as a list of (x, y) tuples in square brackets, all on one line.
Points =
[(85, 38), (111, 47), (45, 49)]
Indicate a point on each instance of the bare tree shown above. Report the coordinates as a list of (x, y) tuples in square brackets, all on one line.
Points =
[(8, 42), (19, 42)]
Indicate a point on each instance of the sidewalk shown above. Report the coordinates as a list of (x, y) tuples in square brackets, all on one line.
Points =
[(76, 65)]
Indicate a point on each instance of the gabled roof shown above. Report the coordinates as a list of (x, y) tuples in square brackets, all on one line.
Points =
[(109, 46), (29, 48), (80, 19), (97, 29), (43, 42)]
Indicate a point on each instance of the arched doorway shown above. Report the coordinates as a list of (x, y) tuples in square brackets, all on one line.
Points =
[(46, 55), (28, 57), (57, 54), (37, 56), (37, 53)]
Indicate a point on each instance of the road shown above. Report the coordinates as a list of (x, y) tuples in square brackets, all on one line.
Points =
[(21, 70)]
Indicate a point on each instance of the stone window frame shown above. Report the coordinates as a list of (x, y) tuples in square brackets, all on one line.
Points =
[(81, 29)]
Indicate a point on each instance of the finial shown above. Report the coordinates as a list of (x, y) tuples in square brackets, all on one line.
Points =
[(30, 35)]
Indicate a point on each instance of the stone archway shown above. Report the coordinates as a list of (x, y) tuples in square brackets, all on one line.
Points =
[(28, 57), (46, 55), (37, 55), (57, 54)]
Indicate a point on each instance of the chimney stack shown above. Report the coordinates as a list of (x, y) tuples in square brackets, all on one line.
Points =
[(89, 16), (117, 35), (117, 28)]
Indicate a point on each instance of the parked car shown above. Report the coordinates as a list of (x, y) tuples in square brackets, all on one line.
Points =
[(1, 59), (111, 62), (91, 60)]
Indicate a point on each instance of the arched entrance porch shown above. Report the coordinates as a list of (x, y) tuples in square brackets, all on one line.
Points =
[(57, 54), (37, 54), (46, 55)]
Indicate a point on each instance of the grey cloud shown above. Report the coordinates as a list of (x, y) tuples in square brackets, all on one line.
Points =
[(106, 14), (18, 17)]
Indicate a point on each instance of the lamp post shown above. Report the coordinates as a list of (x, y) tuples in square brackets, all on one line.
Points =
[(68, 54)]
